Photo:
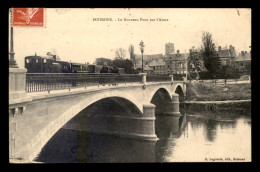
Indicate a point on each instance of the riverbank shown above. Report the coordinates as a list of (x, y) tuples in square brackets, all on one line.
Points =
[(241, 108), (201, 91), (218, 98)]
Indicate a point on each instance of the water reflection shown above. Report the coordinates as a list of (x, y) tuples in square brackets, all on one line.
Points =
[(190, 138), (168, 126), (206, 137), (70, 146), (211, 129)]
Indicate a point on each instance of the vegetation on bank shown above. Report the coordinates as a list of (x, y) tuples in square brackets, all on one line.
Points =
[(242, 108), (201, 91)]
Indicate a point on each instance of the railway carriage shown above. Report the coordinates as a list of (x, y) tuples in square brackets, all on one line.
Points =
[(94, 68), (38, 64), (49, 64)]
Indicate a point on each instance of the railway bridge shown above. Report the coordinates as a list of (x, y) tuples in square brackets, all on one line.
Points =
[(37, 110)]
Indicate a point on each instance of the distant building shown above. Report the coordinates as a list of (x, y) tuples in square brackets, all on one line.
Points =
[(176, 63), (158, 66), (146, 59), (171, 63), (148, 70), (242, 61), (169, 48), (227, 55)]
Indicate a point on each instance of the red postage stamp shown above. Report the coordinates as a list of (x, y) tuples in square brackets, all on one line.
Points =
[(28, 17)]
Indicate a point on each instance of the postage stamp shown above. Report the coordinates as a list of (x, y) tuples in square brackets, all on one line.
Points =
[(28, 17)]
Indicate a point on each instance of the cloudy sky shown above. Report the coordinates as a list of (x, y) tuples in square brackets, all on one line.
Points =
[(74, 36)]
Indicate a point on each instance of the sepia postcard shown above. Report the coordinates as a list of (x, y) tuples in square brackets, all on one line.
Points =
[(129, 85)]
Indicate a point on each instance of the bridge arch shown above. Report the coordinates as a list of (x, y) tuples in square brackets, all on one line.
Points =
[(113, 105), (98, 113), (161, 90), (160, 99), (87, 100), (179, 90), (103, 116)]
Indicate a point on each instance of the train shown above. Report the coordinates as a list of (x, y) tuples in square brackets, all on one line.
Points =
[(52, 64)]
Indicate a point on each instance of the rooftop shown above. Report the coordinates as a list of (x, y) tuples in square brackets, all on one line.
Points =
[(179, 56), (157, 62), (224, 53), (243, 57), (146, 59), (146, 68)]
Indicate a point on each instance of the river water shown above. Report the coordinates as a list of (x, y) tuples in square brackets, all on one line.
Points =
[(197, 138)]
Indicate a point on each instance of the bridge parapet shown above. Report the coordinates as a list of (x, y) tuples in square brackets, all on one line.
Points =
[(16, 83), (18, 98), (38, 82)]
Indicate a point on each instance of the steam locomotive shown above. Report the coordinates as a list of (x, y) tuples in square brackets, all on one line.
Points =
[(51, 64)]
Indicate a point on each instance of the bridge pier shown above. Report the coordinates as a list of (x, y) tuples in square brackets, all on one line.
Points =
[(149, 127), (173, 108), (134, 127), (140, 127)]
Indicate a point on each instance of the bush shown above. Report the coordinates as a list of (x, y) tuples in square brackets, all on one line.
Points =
[(126, 64), (224, 73)]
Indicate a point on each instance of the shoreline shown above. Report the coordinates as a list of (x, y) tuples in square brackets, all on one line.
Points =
[(218, 94), (216, 101), (242, 107)]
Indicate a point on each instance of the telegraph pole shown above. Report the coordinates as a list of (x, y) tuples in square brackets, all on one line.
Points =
[(12, 62), (186, 66)]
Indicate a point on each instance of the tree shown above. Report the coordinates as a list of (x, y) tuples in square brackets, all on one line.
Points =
[(120, 53), (247, 69), (102, 61), (132, 54), (229, 72), (126, 64), (194, 64), (210, 56)]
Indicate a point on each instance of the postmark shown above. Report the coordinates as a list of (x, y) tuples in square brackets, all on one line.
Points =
[(32, 17)]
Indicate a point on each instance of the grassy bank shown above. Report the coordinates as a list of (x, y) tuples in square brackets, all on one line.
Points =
[(201, 91), (243, 108)]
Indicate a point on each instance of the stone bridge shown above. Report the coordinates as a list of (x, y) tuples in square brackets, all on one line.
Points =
[(34, 118)]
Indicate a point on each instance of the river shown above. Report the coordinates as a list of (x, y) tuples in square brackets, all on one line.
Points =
[(197, 138)]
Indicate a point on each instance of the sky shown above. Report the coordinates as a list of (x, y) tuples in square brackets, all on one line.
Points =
[(74, 36)]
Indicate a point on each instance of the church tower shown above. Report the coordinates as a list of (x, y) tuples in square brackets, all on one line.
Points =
[(169, 48)]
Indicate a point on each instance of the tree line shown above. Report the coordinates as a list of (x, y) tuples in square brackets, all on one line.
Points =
[(207, 53), (212, 62), (120, 60)]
